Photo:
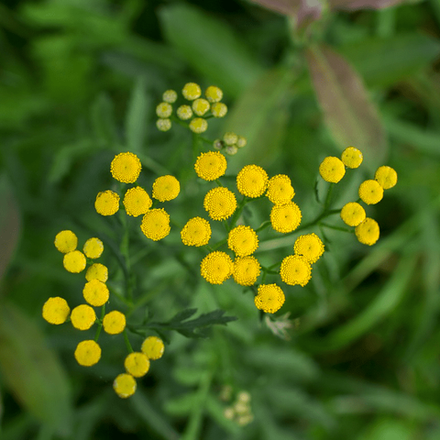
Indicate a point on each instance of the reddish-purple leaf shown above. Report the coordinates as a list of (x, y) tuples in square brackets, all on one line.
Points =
[(348, 112)]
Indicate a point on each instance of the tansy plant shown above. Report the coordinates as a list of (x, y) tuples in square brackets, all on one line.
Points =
[(234, 254)]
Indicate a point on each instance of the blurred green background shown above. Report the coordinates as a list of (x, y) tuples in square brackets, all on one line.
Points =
[(79, 82)]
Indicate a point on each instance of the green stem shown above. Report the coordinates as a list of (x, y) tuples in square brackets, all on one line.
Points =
[(98, 330), (124, 248), (127, 342), (263, 225), (337, 228), (329, 196), (219, 244), (238, 212)]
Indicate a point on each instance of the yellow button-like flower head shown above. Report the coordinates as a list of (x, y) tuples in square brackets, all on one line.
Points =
[(367, 232), (164, 124), (214, 94), (196, 232), (114, 322), (96, 293), (241, 142), (137, 364), (309, 246), (166, 188), (370, 192), (191, 91), (74, 262), (88, 353), (216, 267), (97, 271), (107, 203), (198, 125), (156, 224), (386, 177), (56, 310), (285, 218), (124, 385), (200, 106), (246, 271), (169, 96), (280, 190), (184, 112), (164, 110), (252, 181), (295, 269), (137, 201), (126, 167), (83, 317), (210, 166), (243, 240), (219, 109), (153, 347), (230, 138), (352, 157), (352, 214), (220, 203), (93, 248), (332, 169), (66, 241), (270, 298)]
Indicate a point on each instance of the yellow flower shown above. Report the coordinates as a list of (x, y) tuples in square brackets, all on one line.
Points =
[(285, 218), (219, 110), (156, 224), (126, 167), (93, 248), (107, 203), (66, 241), (114, 322), (230, 138), (252, 181), (164, 110), (56, 310), (137, 364), (88, 353), (163, 124), (231, 150), (137, 201), (213, 94), (370, 192), (153, 347), (295, 269), (243, 240), (196, 232), (83, 317), (332, 169), (74, 262), (367, 232), (166, 188), (200, 106), (210, 166), (309, 246), (386, 177), (216, 267), (352, 214), (220, 203), (97, 271), (96, 293), (198, 125), (184, 112), (191, 91), (246, 271), (241, 142), (270, 298), (169, 96), (280, 190), (352, 157), (124, 385)]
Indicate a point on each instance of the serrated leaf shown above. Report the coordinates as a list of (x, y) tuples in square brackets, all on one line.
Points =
[(350, 116), (184, 314), (31, 371)]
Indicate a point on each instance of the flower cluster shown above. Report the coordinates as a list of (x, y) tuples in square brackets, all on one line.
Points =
[(197, 112), (230, 143), (332, 169), (56, 311), (239, 410), (126, 168)]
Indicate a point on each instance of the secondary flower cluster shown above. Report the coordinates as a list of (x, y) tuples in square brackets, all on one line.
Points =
[(332, 169), (197, 112), (230, 142), (126, 168), (56, 311)]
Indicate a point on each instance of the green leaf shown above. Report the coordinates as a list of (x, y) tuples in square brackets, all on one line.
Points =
[(210, 46), (103, 121), (31, 370), (348, 112)]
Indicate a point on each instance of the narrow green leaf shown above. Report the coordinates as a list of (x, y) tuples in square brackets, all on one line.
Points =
[(103, 121), (183, 315)]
